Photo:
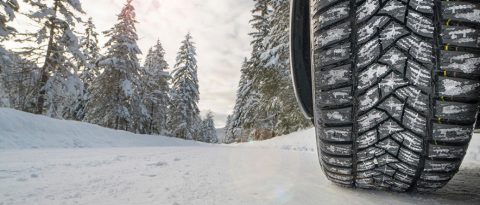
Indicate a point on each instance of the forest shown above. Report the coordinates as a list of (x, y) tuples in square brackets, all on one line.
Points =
[(62, 71)]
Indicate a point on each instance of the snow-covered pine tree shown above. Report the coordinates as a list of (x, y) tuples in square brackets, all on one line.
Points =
[(184, 119), (208, 131), (115, 100), (7, 14), (156, 89), (8, 9), (91, 51), (56, 47), (277, 89), (228, 130), (245, 111), (88, 68), (249, 113)]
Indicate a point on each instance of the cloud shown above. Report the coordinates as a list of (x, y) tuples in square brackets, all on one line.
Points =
[(219, 28)]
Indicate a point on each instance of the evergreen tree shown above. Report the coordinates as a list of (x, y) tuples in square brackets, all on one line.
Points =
[(184, 116), (59, 85), (91, 51), (156, 89), (9, 8), (88, 68), (249, 113), (246, 106), (265, 103), (208, 131), (277, 89), (115, 100), (7, 14), (228, 130)]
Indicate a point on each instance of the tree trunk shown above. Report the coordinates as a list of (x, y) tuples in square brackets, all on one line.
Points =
[(47, 64)]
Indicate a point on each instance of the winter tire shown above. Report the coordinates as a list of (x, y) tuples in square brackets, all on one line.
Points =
[(396, 88)]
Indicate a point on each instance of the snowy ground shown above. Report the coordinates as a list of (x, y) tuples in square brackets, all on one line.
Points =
[(122, 168)]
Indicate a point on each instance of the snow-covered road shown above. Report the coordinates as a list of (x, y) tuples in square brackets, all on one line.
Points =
[(283, 170)]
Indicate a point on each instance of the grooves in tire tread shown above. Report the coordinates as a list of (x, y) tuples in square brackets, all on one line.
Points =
[(396, 90)]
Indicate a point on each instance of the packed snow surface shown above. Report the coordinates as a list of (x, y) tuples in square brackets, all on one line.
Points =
[(47, 161)]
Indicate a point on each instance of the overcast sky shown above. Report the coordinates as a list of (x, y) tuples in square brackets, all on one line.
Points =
[(219, 29)]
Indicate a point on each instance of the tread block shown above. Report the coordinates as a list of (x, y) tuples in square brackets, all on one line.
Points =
[(411, 141), (337, 161), (415, 122), (320, 4), (370, 120), (456, 111), (460, 62), (333, 55), (371, 74), (340, 177), (440, 166), (395, 9), (368, 52), (367, 139), (340, 170), (367, 174), (369, 154), (416, 47), (337, 116), (366, 165), (369, 29), (389, 145), (366, 183), (403, 177), (385, 169), (420, 24), (388, 128), (461, 36), (414, 97), (419, 76), (407, 156), (335, 97), (435, 176), (332, 15), (336, 149), (333, 35), (449, 152), (390, 83), (340, 182), (367, 9), (336, 75), (369, 99), (384, 160), (405, 168), (451, 133), (425, 6), (461, 11), (337, 134), (395, 59), (394, 107), (457, 87), (391, 33)]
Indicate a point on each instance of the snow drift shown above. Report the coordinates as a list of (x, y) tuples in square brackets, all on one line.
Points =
[(282, 170), (20, 130)]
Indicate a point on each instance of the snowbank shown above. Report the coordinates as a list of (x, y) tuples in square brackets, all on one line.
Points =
[(20, 130), (282, 170)]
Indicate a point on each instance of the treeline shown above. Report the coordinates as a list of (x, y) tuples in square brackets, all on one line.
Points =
[(266, 104), (60, 71)]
